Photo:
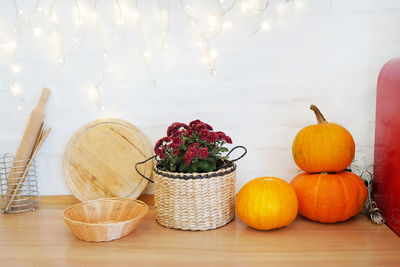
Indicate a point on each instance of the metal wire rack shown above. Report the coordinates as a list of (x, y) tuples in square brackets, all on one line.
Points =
[(26, 194)]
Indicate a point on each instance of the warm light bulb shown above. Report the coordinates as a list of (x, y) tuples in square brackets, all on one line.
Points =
[(92, 92), (299, 6), (213, 54), (37, 31), (12, 44), (227, 25), (15, 68), (245, 7), (265, 26), (16, 89), (147, 54), (53, 18), (250, 5)]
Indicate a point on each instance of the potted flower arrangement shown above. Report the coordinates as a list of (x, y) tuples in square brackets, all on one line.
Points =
[(194, 182), (191, 148)]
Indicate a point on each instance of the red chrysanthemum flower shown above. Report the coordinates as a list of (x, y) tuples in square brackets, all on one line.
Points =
[(189, 143), (188, 132), (202, 125), (190, 154), (166, 139), (194, 146), (176, 142), (163, 153), (175, 127), (203, 152), (204, 134), (195, 122), (212, 137), (178, 133), (157, 146), (228, 139), (187, 159), (175, 152), (221, 135)]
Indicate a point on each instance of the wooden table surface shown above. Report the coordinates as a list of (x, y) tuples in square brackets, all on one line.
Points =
[(41, 238)]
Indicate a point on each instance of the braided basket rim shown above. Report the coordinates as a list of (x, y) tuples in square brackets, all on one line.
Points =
[(227, 169), (146, 207)]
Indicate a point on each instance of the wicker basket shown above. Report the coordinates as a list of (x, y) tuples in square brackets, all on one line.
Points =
[(104, 219), (196, 201)]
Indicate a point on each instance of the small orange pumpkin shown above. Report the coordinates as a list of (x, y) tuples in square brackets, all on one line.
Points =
[(329, 198), (266, 203), (323, 147)]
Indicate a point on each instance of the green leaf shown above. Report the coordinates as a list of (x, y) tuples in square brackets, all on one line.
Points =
[(204, 165), (195, 167), (224, 149), (172, 168), (182, 168)]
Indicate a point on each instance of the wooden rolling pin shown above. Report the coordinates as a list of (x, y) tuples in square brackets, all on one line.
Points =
[(28, 141)]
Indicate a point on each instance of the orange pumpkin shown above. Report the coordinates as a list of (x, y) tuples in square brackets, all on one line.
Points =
[(323, 147), (329, 198), (266, 203)]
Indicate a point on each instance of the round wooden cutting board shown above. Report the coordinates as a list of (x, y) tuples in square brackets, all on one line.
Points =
[(100, 158)]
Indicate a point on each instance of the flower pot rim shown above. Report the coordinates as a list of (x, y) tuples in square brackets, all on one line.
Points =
[(229, 168)]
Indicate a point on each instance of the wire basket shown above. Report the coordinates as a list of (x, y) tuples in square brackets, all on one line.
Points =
[(26, 194)]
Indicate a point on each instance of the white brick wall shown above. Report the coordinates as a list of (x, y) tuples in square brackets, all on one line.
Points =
[(329, 56)]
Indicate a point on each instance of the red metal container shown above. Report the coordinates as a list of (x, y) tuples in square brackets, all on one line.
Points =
[(387, 144)]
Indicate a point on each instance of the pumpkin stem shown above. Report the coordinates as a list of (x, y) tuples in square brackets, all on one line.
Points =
[(320, 118)]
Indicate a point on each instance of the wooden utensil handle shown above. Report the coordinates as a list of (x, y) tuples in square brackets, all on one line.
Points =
[(27, 144), (43, 98)]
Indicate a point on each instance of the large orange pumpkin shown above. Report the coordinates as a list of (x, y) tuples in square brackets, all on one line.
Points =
[(266, 203), (323, 147), (329, 198)]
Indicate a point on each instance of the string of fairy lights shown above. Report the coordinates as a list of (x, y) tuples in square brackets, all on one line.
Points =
[(205, 19)]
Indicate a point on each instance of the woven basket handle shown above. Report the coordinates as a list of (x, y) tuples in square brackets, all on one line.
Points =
[(236, 147), (153, 157), (142, 162)]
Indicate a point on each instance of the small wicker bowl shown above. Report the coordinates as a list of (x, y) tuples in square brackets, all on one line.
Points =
[(104, 219)]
